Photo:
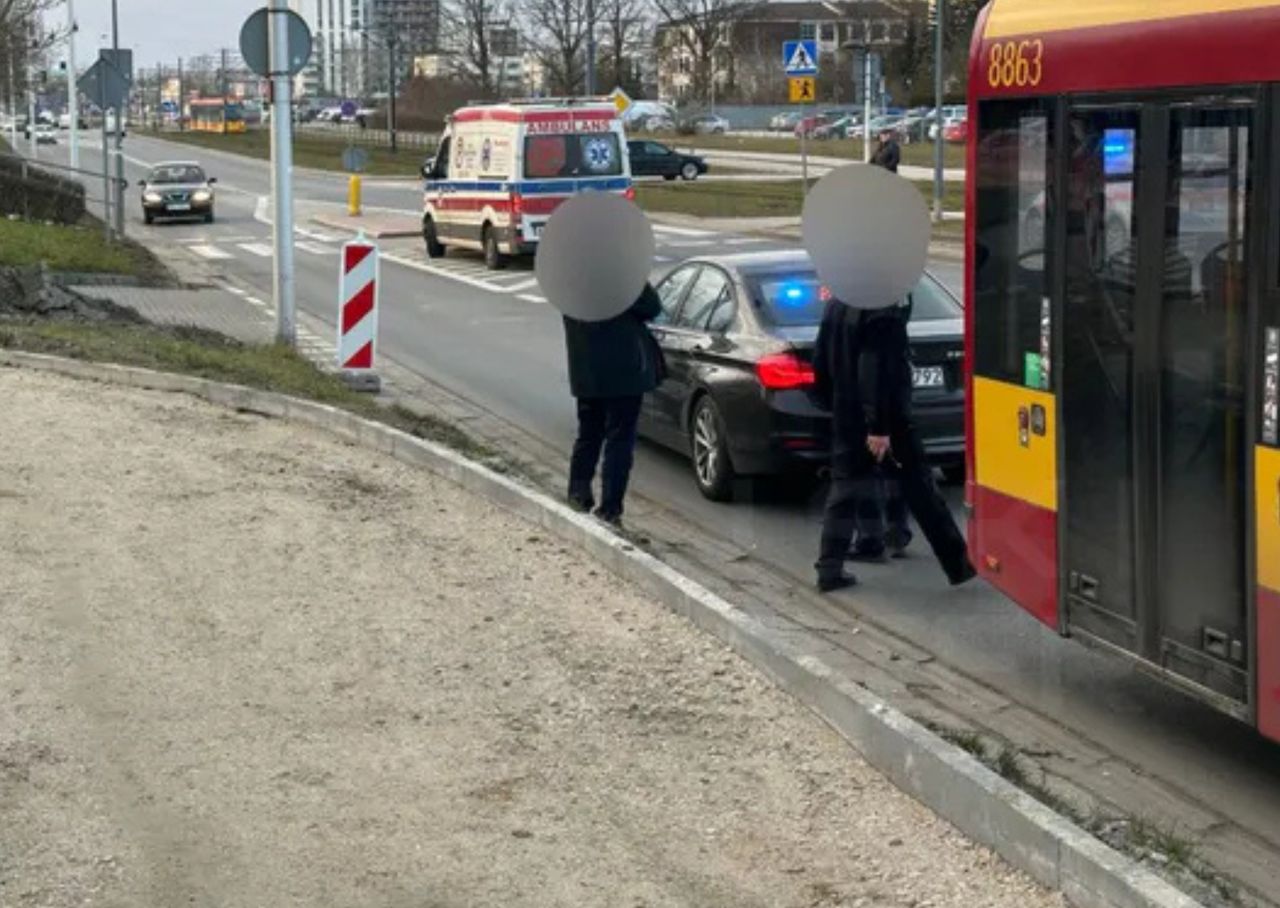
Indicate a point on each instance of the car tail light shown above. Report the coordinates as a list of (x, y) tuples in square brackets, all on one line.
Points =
[(784, 371), (630, 194), (517, 207)]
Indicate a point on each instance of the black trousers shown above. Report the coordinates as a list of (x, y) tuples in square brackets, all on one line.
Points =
[(855, 475), (608, 424)]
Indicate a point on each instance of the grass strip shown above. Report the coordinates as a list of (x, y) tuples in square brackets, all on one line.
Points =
[(78, 248), (309, 150), (209, 355)]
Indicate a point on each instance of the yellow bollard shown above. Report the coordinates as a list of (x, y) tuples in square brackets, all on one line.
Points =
[(353, 196)]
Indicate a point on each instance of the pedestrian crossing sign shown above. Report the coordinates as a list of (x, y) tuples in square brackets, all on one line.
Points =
[(802, 89), (800, 58)]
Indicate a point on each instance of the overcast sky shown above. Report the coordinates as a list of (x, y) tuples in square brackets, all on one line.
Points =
[(160, 31)]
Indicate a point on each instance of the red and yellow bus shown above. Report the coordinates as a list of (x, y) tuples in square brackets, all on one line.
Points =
[(1123, 331), (216, 115)]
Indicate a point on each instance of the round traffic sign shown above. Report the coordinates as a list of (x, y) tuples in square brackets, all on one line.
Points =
[(255, 43), (354, 158), (348, 108)]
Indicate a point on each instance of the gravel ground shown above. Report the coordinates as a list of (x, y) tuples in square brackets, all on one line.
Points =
[(245, 664)]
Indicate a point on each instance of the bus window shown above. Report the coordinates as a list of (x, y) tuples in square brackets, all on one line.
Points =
[(1013, 222)]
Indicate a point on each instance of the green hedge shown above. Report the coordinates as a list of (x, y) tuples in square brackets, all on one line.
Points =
[(40, 195)]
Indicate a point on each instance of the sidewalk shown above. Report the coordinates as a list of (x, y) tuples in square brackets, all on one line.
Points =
[(250, 664), (819, 165)]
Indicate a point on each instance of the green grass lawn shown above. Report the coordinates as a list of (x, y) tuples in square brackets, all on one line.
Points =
[(79, 248), (773, 198), (919, 154), (309, 150)]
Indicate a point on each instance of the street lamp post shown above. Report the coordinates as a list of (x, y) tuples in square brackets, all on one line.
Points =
[(120, 109), (591, 48)]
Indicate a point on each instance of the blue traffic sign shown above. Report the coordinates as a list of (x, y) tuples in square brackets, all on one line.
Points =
[(800, 58), (348, 108)]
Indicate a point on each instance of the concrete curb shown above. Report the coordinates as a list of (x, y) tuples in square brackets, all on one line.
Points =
[(347, 223), (948, 781)]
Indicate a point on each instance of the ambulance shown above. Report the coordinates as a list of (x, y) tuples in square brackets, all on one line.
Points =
[(502, 169)]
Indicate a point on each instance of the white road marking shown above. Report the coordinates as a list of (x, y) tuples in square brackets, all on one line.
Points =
[(681, 231), (523, 285), (255, 301), (445, 273), (210, 252), (236, 290), (260, 249), (533, 298), (314, 248)]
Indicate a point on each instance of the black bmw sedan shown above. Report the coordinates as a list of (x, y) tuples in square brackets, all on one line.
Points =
[(653, 159), (738, 333)]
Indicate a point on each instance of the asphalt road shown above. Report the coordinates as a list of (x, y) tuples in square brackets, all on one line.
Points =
[(488, 340)]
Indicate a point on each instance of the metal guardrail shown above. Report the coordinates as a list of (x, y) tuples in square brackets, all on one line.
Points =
[(112, 188)]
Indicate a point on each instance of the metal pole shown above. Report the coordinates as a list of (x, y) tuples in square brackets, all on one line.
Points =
[(591, 48), (106, 159), (391, 88), (120, 110), (866, 105), (224, 90), (13, 102), (31, 94), (281, 172), (938, 87), (182, 96), (73, 100)]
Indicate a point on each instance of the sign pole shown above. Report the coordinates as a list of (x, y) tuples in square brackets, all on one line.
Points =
[(804, 152), (121, 105), (106, 153), (281, 172), (866, 105), (73, 98)]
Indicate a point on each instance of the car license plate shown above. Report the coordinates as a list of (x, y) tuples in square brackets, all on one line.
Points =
[(180, 207), (928, 377)]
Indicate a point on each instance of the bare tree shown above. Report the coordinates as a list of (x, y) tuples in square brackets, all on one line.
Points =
[(624, 21), (560, 37), (471, 41), (704, 29)]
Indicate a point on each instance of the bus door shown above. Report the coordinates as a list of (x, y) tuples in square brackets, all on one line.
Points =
[(1156, 349)]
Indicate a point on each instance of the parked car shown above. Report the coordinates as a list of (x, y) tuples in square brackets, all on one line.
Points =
[(738, 334), (653, 159), (64, 122), (657, 123), (846, 127), (808, 126), (705, 125), (46, 134), (957, 131), (785, 121), (177, 189)]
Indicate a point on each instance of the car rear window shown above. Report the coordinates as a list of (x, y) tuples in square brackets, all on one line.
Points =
[(556, 156), (796, 299)]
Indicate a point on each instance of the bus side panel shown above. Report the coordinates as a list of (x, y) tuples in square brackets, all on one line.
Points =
[(1014, 540), (1268, 523), (1014, 546)]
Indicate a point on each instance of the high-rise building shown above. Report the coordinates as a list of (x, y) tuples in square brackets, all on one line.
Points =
[(339, 44), (416, 24)]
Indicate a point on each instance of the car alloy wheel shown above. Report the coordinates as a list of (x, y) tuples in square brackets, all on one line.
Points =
[(689, 171), (711, 466)]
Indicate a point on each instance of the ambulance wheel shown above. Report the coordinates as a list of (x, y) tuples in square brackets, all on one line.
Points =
[(435, 248), (494, 260)]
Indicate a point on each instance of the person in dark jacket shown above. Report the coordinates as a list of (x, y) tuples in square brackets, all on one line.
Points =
[(889, 153), (612, 365), (863, 375)]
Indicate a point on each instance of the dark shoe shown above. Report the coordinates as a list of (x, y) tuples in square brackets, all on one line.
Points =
[(581, 505), (614, 520), (838, 582), (965, 575), (868, 555), (896, 541)]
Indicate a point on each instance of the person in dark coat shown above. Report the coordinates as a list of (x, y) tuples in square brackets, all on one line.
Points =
[(863, 375), (612, 365), (889, 153)]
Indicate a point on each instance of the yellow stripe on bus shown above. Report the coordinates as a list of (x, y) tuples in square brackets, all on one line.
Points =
[(1010, 18), (1267, 473), (1017, 463)]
